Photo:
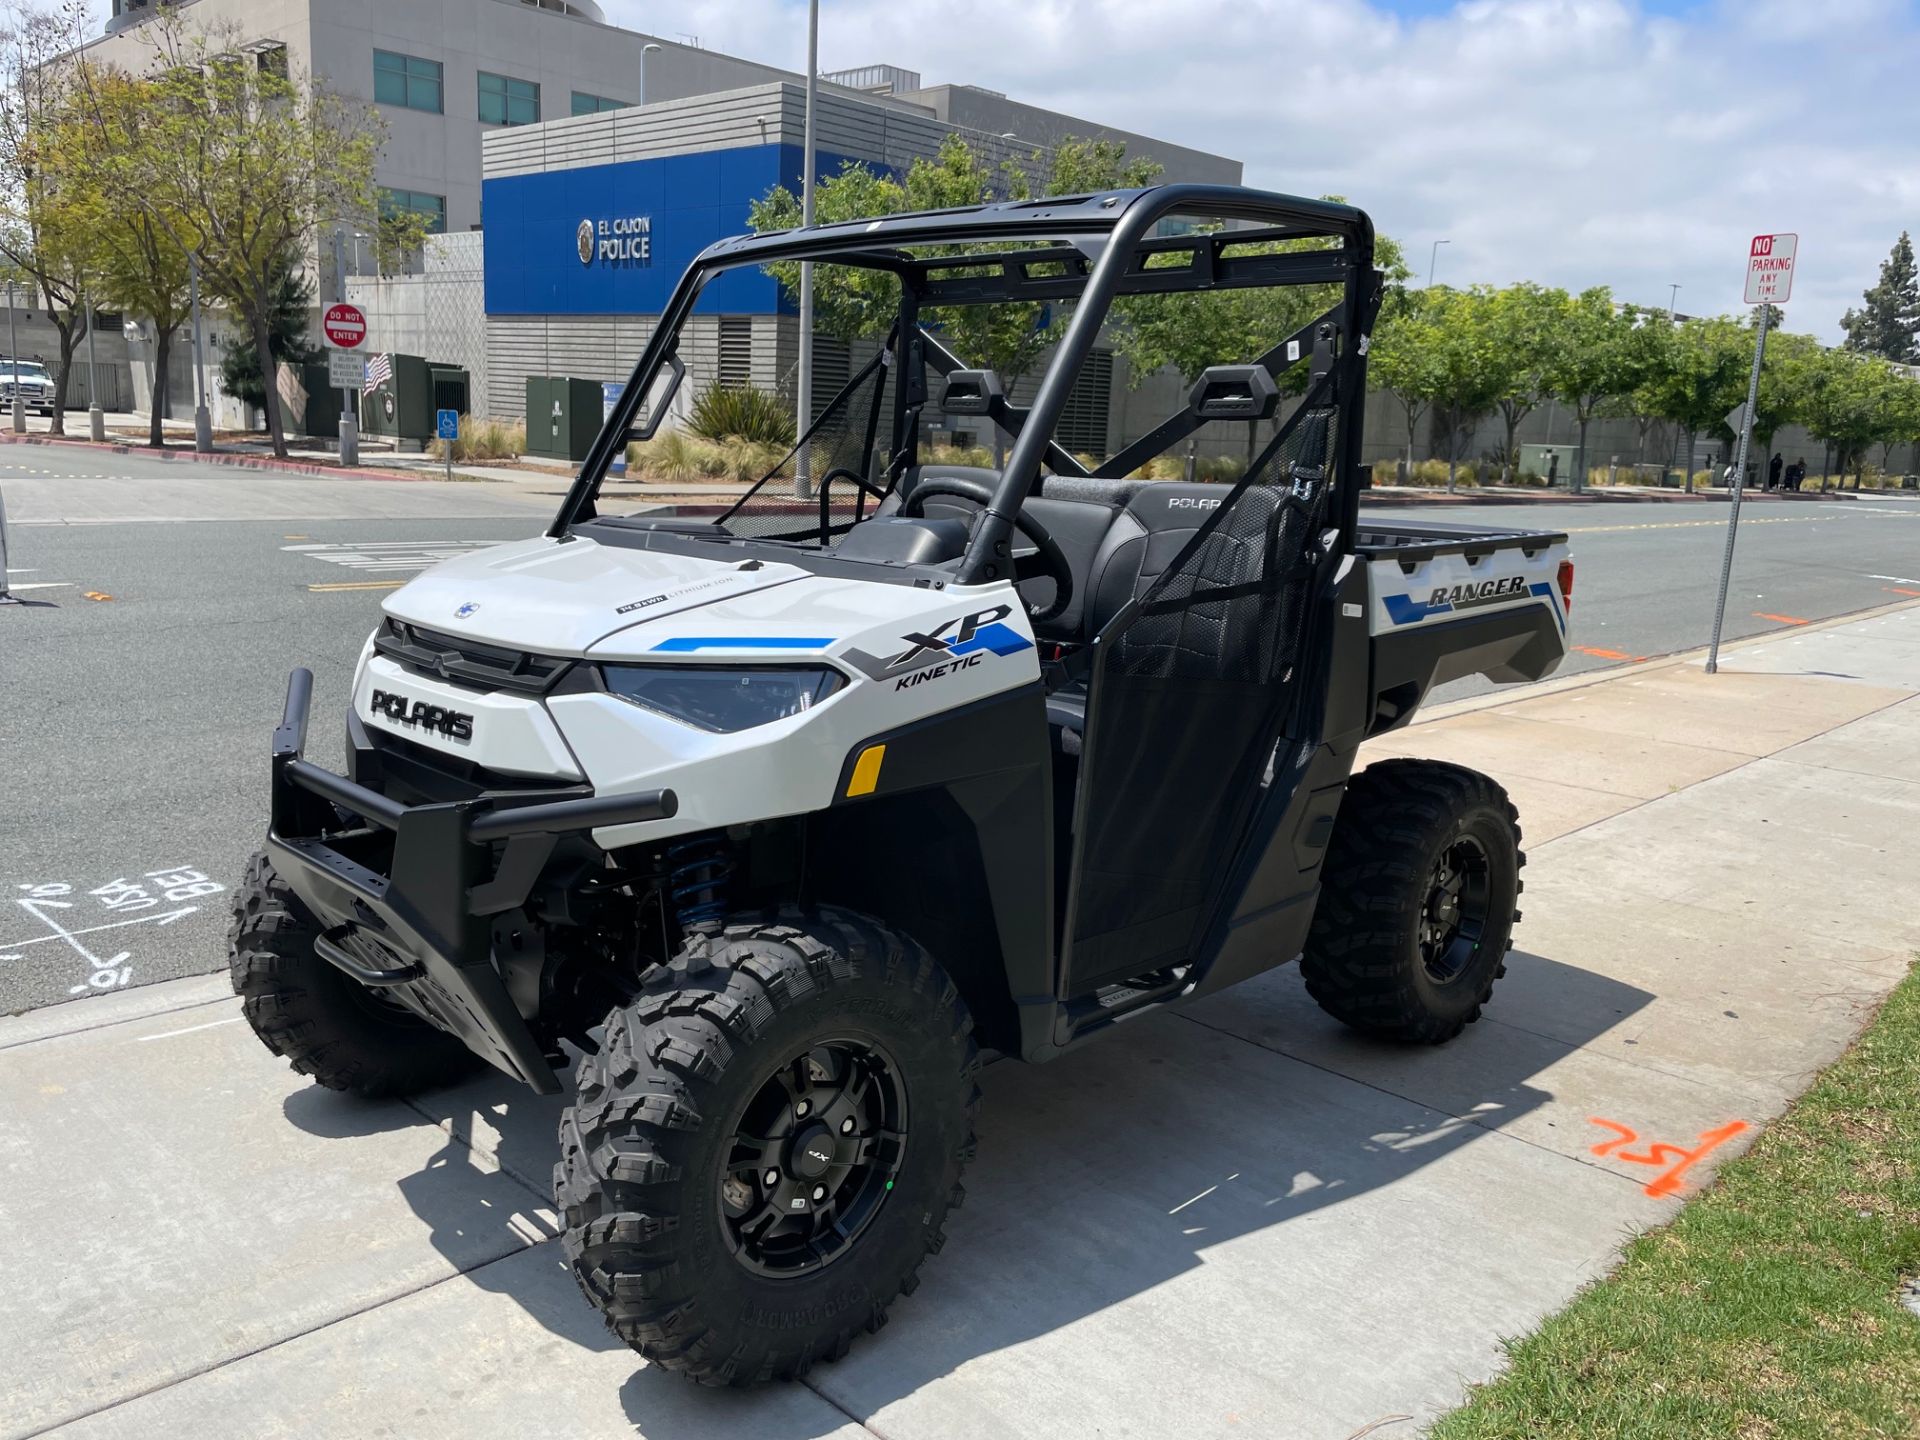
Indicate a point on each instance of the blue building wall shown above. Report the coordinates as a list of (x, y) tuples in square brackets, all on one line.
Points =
[(533, 224)]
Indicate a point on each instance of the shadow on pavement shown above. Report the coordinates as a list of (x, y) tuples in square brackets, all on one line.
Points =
[(1099, 1177)]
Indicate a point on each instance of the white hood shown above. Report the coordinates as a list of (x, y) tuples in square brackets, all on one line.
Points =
[(559, 599)]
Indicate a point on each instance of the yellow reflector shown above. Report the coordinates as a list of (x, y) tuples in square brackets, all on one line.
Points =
[(866, 771)]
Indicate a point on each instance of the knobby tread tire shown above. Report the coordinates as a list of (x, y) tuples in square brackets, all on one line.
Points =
[(642, 1146), (1362, 961), (305, 1010)]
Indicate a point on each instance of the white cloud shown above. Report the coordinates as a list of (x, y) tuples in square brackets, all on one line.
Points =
[(1573, 142)]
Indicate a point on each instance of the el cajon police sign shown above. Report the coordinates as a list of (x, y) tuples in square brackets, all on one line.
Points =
[(625, 241)]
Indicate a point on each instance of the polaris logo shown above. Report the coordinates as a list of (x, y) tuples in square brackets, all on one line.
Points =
[(419, 715), (821, 1155), (1191, 502), (1458, 595)]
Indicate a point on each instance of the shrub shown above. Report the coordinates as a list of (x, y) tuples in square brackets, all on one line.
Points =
[(742, 412), (482, 439), (673, 455)]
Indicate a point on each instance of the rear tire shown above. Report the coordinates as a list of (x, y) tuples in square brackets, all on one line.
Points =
[(680, 1213), (328, 1027), (1417, 893)]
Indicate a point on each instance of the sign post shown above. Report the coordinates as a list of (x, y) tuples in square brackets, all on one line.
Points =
[(610, 393), (448, 430), (1769, 282), (346, 327)]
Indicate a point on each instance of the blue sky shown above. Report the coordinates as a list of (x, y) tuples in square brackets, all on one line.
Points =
[(1629, 143), (1626, 143)]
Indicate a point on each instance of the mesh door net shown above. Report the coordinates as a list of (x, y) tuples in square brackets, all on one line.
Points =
[(847, 466), (1188, 697)]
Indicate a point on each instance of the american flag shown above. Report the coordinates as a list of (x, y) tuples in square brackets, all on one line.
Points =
[(379, 371)]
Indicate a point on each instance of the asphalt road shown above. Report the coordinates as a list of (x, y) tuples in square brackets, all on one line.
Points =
[(139, 686)]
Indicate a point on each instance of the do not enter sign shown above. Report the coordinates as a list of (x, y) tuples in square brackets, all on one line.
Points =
[(345, 325)]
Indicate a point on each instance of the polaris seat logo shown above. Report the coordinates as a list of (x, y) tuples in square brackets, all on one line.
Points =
[(419, 715), (1485, 590), (1191, 502)]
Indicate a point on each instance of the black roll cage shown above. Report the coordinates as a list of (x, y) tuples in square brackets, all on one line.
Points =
[(1120, 260)]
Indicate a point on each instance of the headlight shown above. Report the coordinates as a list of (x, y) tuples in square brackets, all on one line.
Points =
[(724, 700)]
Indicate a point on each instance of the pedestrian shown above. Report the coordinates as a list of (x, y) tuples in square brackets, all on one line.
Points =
[(1773, 471), (1796, 474)]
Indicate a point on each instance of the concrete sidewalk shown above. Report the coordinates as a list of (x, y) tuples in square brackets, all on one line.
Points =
[(1236, 1219)]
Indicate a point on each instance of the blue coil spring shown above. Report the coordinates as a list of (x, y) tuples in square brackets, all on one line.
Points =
[(697, 876)]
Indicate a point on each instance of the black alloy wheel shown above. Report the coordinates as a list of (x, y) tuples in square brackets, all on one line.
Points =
[(814, 1157), (1454, 917)]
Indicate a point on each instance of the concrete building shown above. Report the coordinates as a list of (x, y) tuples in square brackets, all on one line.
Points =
[(447, 74)]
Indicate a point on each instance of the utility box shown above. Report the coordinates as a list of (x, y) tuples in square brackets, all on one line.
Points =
[(319, 412), (563, 416), (401, 406), (451, 389)]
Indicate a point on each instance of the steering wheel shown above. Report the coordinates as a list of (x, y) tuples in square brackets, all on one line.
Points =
[(1053, 560)]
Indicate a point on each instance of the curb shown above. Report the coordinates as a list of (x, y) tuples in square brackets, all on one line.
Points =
[(1395, 496), (194, 457)]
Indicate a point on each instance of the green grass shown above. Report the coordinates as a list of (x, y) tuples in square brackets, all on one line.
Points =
[(1769, 1309)]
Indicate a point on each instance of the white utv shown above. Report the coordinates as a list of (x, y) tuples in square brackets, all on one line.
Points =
[(774, 822)]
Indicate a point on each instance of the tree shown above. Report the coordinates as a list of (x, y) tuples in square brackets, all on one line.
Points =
[(1403, 358), (45, 234), (254, 162), (1705, 377), (1524, 339), (1888, 325), (1599, 358), (1465, 378), (292, 298), (851, 302), (1854, 402), (141, 262)]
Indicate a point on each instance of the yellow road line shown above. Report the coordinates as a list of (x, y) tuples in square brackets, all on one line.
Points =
[(356, 585)]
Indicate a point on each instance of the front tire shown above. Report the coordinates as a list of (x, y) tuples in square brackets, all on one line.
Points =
[(328, 1027), (1417, 893), (767, 1145)]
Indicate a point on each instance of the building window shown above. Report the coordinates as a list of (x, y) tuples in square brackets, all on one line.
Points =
[(431, 208), (585, 104), (506, 101), (408, 82)]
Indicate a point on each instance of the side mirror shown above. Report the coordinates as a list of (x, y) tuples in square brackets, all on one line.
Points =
[(1234, 392), (971, 392)]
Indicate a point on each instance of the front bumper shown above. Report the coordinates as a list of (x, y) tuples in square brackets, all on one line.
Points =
[(422, 931)]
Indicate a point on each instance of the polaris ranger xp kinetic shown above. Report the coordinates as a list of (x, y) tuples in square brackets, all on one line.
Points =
[(778, 819)]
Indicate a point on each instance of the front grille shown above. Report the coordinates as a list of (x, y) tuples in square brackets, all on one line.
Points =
[(417, 775), (468, 662)]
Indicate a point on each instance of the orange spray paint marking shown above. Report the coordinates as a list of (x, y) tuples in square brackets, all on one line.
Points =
[(1780, 619), (1896, 590), (1614, 654), (1677, 1160)]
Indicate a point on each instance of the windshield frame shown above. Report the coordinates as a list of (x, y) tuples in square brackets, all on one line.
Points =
[(1114, 228)]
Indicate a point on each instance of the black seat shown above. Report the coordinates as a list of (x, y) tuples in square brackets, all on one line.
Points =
[(1157, 522)]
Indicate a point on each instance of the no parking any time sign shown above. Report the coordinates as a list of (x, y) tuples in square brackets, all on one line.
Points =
[(1770, 269)]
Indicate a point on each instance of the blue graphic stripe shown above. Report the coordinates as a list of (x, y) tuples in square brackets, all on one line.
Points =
[(1553, 603), (681, 644), (1405, 610), (1000, 639)]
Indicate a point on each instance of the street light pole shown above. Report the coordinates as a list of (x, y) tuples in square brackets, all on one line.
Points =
[(645, 50), (202, 421), (13, 357), (1432, 257), (802, 469), (96, 417)]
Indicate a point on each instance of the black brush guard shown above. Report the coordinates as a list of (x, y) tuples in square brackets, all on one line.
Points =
[(423, 934)]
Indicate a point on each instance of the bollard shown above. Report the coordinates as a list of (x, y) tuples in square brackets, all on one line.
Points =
[(5, 597)]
